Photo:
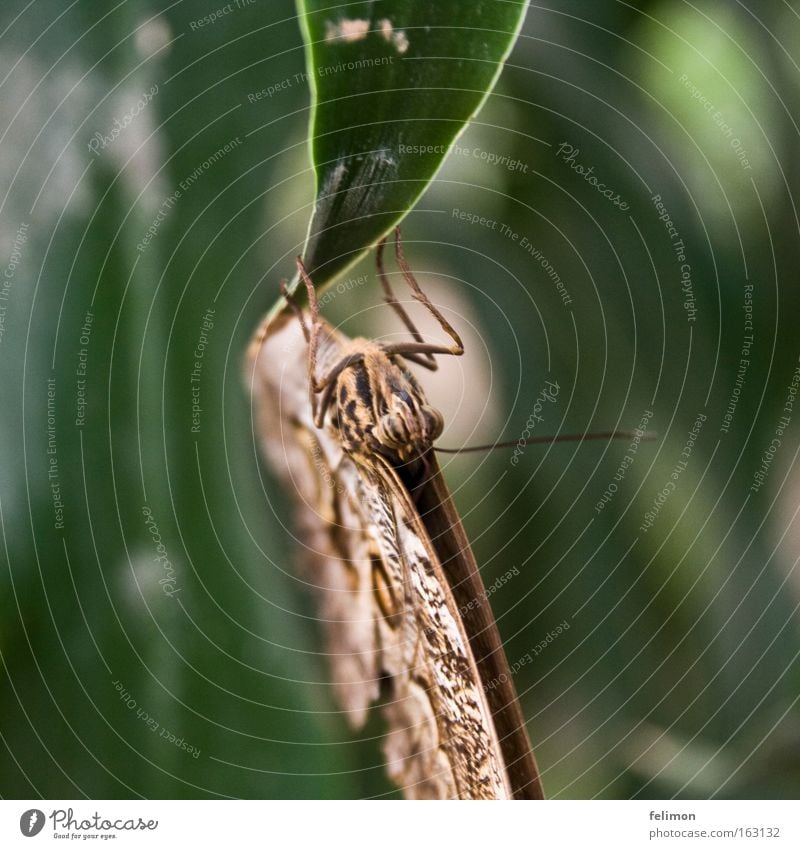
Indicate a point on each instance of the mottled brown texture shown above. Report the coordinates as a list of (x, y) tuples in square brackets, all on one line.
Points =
[(386, 606)]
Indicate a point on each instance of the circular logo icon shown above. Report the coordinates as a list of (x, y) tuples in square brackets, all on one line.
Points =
[(31, 822)]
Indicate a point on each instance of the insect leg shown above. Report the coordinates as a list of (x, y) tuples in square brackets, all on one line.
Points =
[(314, 385), (328, 384), (410, 349), (296, 309), (418, 359), (458, 348), (424, 360)]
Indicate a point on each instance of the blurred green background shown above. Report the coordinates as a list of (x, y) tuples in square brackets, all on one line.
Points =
[(145, 183)]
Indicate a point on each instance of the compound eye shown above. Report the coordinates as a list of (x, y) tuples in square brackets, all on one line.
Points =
[(434, 423), (392, 431)]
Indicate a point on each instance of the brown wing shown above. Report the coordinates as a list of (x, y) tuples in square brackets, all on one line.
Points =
[(443, 524), (432, 674), (336, 552), (388, 614)]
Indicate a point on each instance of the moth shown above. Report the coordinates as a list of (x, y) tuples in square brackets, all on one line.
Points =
[(405, 615)]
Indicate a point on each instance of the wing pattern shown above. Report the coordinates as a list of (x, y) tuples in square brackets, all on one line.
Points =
[(392, 628)]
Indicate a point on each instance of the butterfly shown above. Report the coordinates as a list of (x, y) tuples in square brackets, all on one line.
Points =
[(407, 623)]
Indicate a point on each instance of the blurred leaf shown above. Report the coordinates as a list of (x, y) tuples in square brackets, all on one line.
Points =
[(718, 99), (393, 84), (681, 663)]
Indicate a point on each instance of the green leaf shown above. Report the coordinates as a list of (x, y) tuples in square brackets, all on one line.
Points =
[(393, 84)]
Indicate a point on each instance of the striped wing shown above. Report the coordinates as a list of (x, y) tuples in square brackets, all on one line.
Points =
[(392, 628)]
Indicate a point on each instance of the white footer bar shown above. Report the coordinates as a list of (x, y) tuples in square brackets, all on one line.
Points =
[(401, 825)]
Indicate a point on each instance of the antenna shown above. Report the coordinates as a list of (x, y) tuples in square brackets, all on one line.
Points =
[(645, 435)]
